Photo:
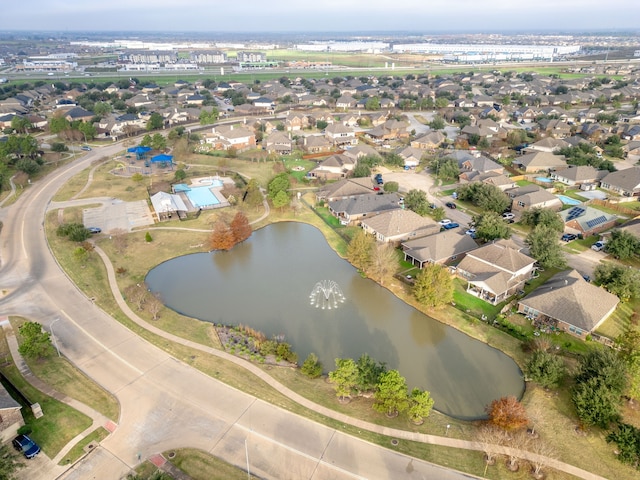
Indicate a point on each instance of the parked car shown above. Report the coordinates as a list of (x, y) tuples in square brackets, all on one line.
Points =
[(471, 232), (432, 206), (444, 221), (28, 447), (567, 237), (451, 205), (378, 179), (508, 216), (94, 230), (86, 148), (598, 246), (451, 225)]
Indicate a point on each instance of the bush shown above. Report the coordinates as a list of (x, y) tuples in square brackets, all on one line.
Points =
[(312, 367), (147, 237), (76, 232), (25, 430)]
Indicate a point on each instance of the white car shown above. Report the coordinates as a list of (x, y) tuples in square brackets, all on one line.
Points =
[(444, 221), (598, 246), (508, 216)]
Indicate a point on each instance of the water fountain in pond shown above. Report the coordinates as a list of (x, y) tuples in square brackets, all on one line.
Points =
[(326, 294)]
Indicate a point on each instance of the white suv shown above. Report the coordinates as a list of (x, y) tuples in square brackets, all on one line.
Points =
[(598, 246), (508, 216)]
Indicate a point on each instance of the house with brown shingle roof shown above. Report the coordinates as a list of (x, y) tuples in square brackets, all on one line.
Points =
[(623, 182), (399, 225), (429, 141), (575, 305), (334, 167), (577, 175), (347, 187), (539, 162), (443, 247), (350, 210), (496, 271), (339, 134), (278, 142)]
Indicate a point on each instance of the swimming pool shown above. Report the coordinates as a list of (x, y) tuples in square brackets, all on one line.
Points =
[(544, 179), (202, 197), (568, 200)]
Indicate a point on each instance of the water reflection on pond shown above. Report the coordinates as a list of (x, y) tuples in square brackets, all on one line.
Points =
[(266, 282)]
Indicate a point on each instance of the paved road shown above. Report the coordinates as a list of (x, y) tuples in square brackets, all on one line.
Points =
[(166, 404)]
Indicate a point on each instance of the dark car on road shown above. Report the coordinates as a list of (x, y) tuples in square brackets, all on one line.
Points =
[(567, 237), (451, 225), (378, 179), (451, 205), (94, 230), (28, 447)]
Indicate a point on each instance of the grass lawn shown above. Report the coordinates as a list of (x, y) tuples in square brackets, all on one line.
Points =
[(619, 320), (523, 183), (65, 378), (202, 466), (471, 304), (77, 451)]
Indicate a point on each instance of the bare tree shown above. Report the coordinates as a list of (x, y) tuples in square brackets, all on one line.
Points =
[(154, 305), (137, 295), (384, 262), (491, 438), (516, 441), (544, 451)]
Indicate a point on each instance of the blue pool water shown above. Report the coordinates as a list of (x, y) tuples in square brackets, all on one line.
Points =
[(544, 180), (202, 197), (568, 200)]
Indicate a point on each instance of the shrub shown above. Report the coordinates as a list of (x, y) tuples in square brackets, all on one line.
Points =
[(147, 237), (312, 367)]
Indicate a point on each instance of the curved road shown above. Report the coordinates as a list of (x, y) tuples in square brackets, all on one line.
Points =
[(166, 404)]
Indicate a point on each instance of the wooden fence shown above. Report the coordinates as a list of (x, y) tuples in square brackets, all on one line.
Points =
[(615, 206)]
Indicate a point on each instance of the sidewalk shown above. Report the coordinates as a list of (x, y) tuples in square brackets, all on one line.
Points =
[(98, 420)]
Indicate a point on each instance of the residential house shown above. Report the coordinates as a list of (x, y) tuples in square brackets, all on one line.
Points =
[(480, 164), (623, 182), (539, 162), (296, 122), (585, 220), (496, 271), (140, 100), (577, 175), (78, 113), (547, 144), (632, 227), (10, 416), (345, 102), (334, 167), (525, 114), (632, 150), (594, 132), (397, 226), (569, 303), (556, 128), (411, 156), (278, 142), (532, 196), (429, 141), (350, 210), (443, 247), (362, 150), (317, 144), (224, 137), (389, 130), (265, 104), (345, 188), (339, 134)]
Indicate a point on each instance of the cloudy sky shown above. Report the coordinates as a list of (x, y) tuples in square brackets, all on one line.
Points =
[(320, 15)]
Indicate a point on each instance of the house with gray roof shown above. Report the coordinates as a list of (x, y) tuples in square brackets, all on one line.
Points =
[(578, 174), (278, 142), (573, 304), (623, 182), (429, 141), (10, 416), (396, 226), (585, 220), (537, 198), (351, 210), (347, 187), (539, 162), (496, 271), (334, 167), (167, 206), (443, 247)]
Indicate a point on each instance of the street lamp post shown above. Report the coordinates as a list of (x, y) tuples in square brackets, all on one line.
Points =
[(246, 451), (55, 340)]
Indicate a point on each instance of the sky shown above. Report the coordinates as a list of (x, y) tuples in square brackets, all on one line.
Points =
[(321, 15)]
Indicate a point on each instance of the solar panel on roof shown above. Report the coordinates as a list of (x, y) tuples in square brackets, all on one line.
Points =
[(575, 212), (596, 221)]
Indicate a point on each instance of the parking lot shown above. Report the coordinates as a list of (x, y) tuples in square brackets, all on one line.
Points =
[(118, 215)]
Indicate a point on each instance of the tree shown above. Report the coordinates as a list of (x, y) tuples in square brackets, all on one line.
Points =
[(372, 103), (486, 196), (208, 118), (154, 306), (10, 463), (623, 245), (240, 228), (20, 124), (146, 140), (490, 226), (76, 232), (360, 249), (605, 365), (155, 121), (491, 438), (59, 147), (59, 124), (507, 413), (102, 108), (391, 187), (545, 247), (437, 123), (420, 405), (279, 183), (253, 196), (179, 175), (618, 279), (361, 171), (627, 438), (391, 396), (36, 343), (596, 404), (281, 200), (416, 201), (221, 237), (545, 368), (433, 286), (344, 378), (312, 367), (158, 142), (533, 217), (88, 131), (137, 295), (446, 168), (384, 262), (147, 237), (369, 372)]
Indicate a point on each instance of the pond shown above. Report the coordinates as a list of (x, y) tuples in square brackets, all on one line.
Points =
[(266, 283)]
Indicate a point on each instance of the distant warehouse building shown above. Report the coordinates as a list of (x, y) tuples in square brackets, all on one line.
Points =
[(488, 52)]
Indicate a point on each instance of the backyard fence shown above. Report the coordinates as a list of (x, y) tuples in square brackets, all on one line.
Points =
[(615, 206)]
